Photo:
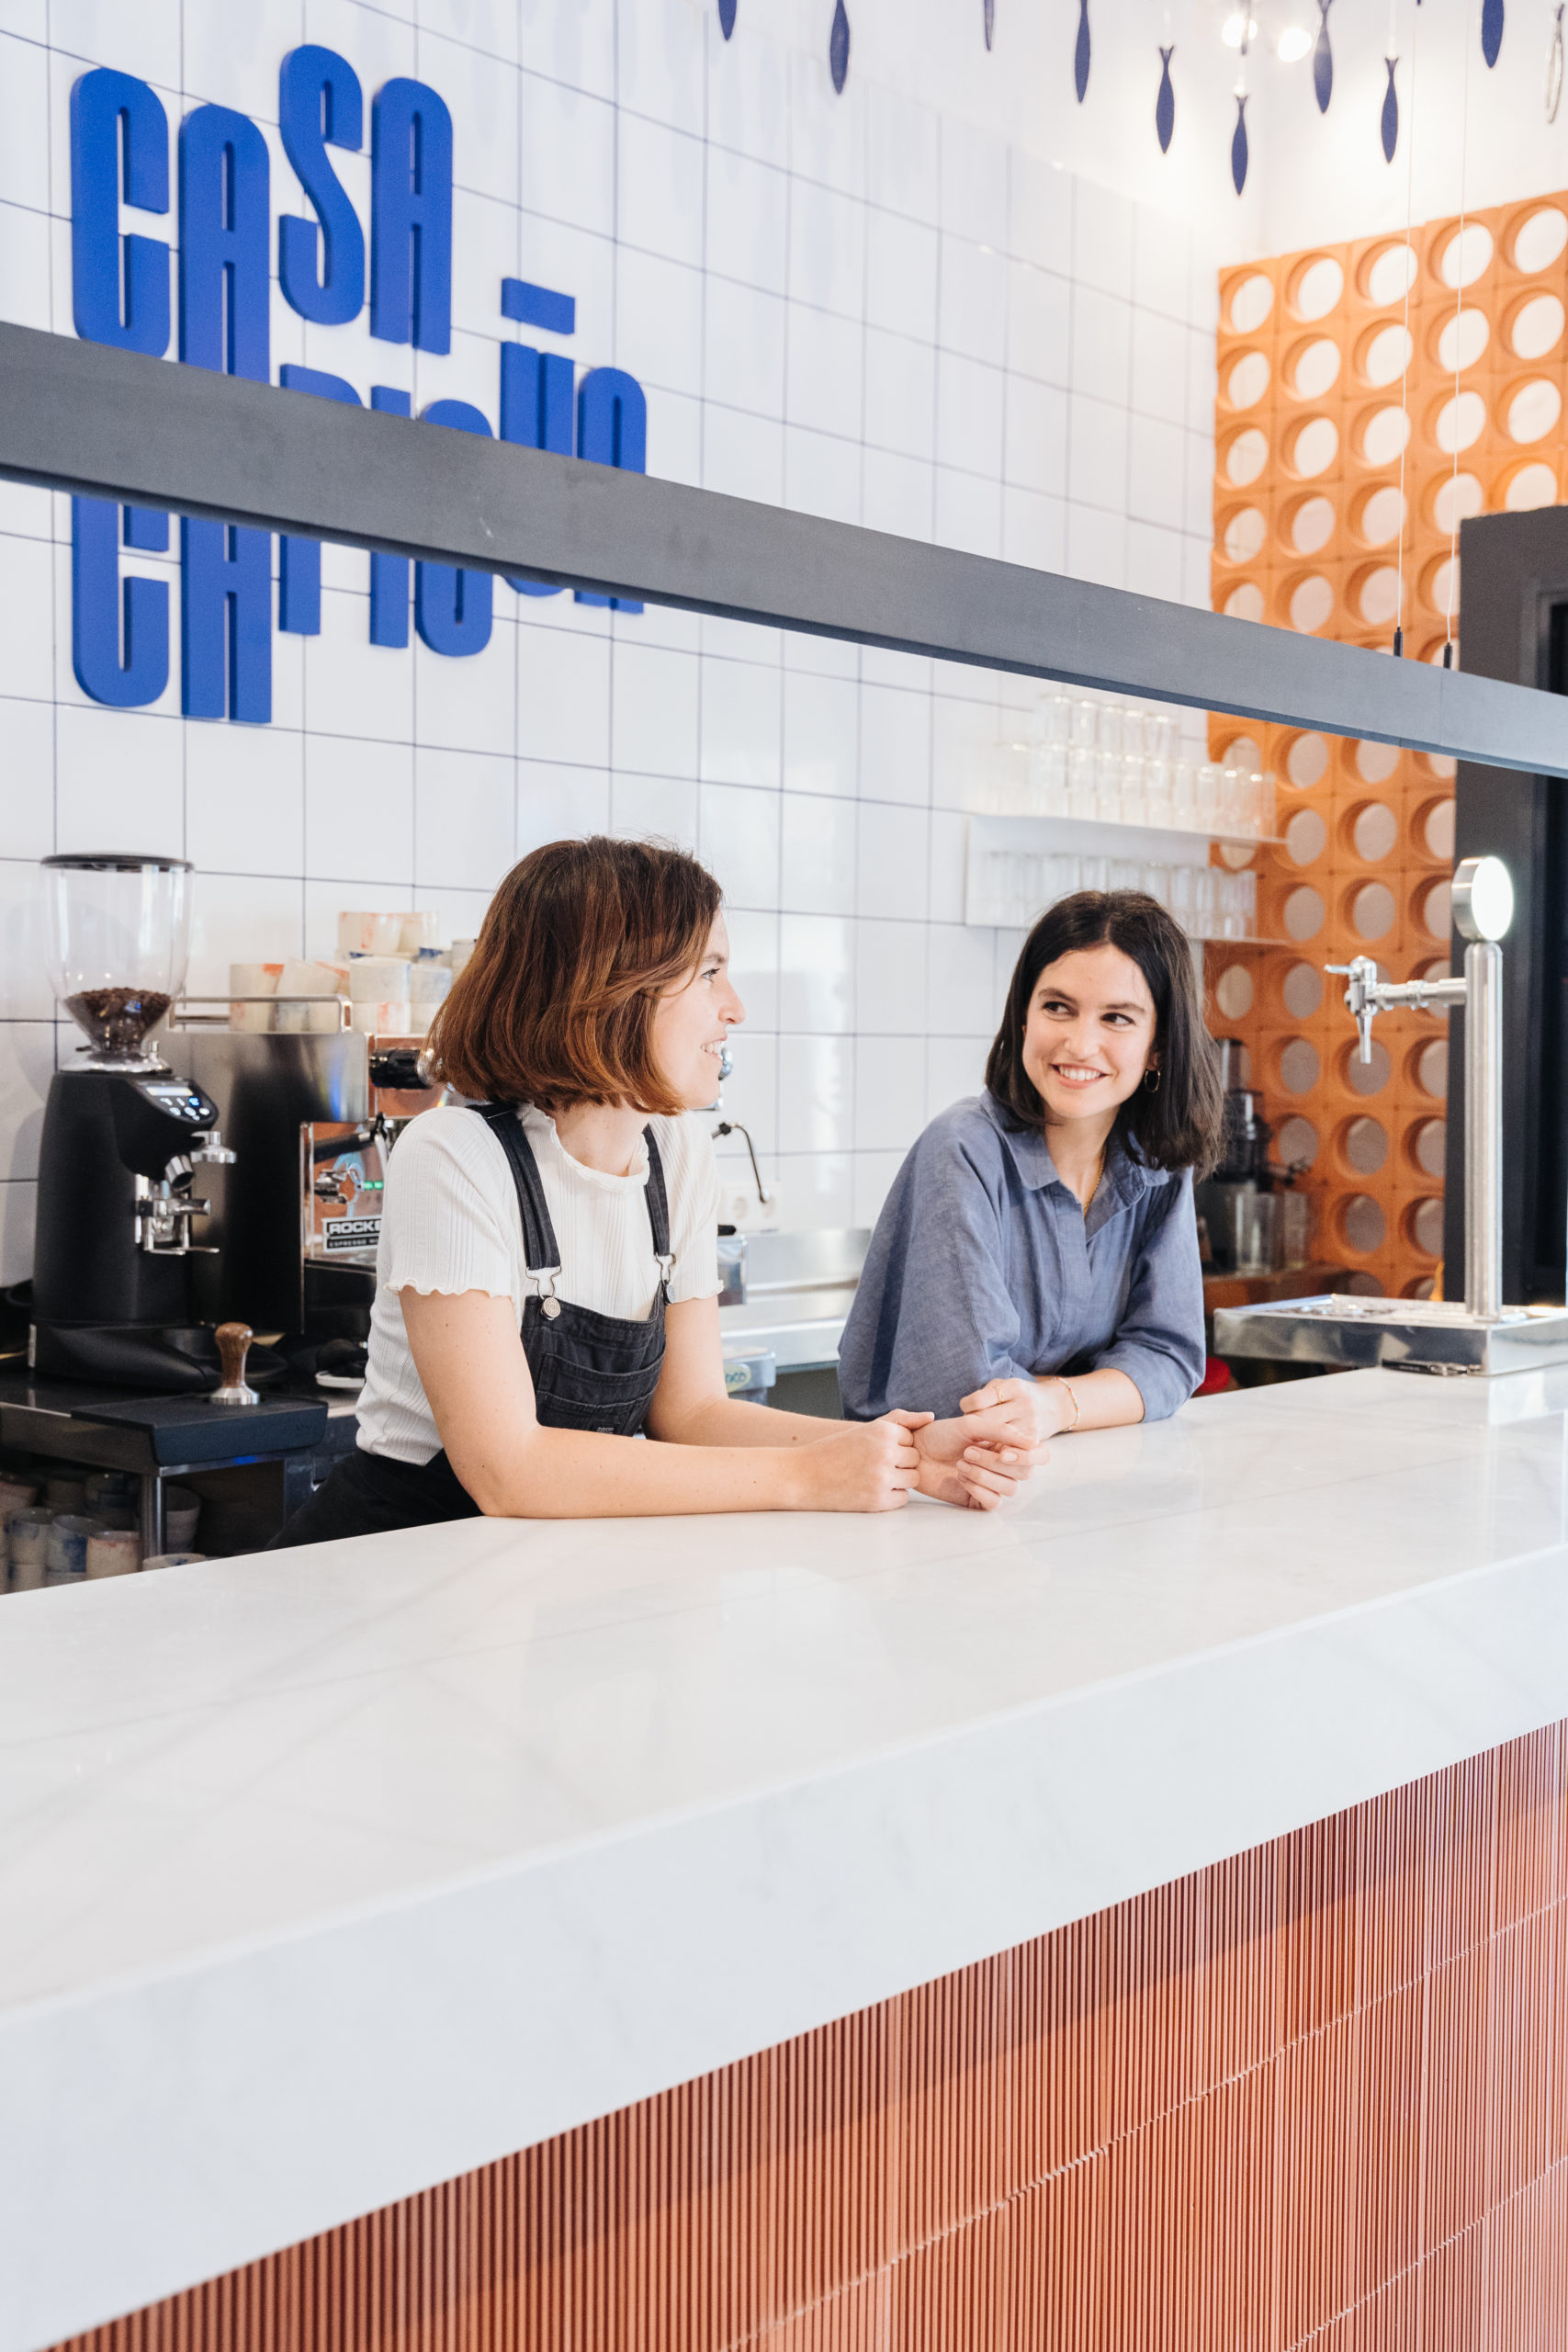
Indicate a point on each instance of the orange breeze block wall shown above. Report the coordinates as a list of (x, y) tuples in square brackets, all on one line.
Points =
[(1335, 366), (1316, 2094)]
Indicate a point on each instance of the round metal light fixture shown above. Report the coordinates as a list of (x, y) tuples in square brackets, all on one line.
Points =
[(1484, 897)]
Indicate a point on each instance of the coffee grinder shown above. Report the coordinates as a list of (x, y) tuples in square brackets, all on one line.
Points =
[(1227, 1199), (123, 1136)]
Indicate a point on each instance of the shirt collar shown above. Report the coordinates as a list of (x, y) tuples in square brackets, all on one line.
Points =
[(540, 1130), (1124, 1180)]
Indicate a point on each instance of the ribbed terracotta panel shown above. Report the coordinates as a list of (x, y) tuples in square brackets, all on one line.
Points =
[(1315, 2095)]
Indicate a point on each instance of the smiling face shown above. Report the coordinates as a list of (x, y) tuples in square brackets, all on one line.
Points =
[(1089, 1034), (692, 1021)]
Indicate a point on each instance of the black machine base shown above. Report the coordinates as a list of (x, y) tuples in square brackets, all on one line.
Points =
[(171, 1359)]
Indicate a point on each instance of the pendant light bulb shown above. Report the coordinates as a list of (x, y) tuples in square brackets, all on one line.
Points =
[(1238, 28), (1294, 44)]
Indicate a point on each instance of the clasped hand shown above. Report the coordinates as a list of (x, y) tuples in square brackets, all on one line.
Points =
[(988, 1452)]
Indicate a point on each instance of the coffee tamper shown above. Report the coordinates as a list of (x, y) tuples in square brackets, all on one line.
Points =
[(233, 1345)]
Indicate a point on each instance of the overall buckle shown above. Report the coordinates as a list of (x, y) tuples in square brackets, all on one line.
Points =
[(543, 1280)]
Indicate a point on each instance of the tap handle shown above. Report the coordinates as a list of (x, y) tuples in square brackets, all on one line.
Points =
[(234, 1346), (1360, 999)]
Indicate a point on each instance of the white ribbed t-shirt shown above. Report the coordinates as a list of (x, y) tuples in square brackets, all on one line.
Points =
[(450, 1222)]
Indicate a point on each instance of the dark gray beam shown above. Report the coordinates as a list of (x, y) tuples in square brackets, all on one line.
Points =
[(78, 416)]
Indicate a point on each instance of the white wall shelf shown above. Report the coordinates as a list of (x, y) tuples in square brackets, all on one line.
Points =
[(1083, 839)]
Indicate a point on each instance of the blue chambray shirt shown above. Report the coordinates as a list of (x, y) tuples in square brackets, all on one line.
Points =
[(984, 1266)]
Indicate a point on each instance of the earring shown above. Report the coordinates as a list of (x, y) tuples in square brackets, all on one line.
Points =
[(1151, 1078)]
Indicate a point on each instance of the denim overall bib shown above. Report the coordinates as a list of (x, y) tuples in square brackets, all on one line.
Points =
[(590, 1372)]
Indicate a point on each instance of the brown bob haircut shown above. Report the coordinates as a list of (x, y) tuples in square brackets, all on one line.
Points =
[(556, 1004), (1178, 1124)]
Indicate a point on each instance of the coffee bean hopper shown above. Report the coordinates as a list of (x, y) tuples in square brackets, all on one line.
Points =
[(121, 1228)]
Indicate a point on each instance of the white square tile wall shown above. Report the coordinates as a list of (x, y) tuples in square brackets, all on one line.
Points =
[(864, 305)]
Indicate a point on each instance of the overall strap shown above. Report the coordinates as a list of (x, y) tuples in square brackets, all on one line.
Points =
[(541, 1252), (659, 1211)]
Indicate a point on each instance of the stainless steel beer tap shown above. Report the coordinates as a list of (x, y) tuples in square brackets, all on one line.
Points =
[(1483, 908), (1477, 1333)]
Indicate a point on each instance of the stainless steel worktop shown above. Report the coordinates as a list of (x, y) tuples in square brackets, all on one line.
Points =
[(799, 1290)]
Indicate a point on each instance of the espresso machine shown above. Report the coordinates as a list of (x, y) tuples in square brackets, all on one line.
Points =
[(125, 1138), (313, 1115)]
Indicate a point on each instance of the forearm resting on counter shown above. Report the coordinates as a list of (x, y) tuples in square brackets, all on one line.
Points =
[(1106, 1400), (479, 1390), (577, 1474), (1043, 1403)]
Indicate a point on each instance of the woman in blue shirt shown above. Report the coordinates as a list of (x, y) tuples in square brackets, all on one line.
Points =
[(1039, 1247)]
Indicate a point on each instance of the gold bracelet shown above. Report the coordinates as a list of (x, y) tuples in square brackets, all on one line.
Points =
[(1077, 1408)]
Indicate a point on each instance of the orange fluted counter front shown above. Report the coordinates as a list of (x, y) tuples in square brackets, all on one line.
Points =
[(1306, 2083), (1316, 2094)]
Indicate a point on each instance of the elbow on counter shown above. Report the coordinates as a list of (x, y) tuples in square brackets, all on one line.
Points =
[(1164, 1378), (527, 1485)]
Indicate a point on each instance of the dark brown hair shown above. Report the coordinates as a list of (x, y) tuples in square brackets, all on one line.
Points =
[(556, 1004), (1178, 1124)]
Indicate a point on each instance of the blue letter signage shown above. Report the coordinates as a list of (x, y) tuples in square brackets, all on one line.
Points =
[(140, 672), (120, 148), (225, 621), (320, 106), (410, 217), (225, 224), (119, 155)]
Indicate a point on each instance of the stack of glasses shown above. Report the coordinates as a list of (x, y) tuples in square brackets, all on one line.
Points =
[(1119, 765), (1015, 886)]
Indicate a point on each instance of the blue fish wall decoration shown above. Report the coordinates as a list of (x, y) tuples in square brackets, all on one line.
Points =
[(1165, 102), (727, 17), (1323, 58), (990, 22), (1390, 125), (1491, 30), (839, 47), (1080, 53), (1239, 145)]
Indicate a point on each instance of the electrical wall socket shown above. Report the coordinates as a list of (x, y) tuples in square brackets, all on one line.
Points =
[(739, 1206)]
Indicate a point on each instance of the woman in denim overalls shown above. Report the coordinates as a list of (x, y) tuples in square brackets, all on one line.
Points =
[(548, 1275)]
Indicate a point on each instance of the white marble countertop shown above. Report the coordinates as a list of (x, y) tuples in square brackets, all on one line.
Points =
[(327, 1875)]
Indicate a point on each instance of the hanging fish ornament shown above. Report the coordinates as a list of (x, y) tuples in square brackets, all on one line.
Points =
[(1238, 143), (1491, 30), (990, 22), (1554, 63), (1323, 58), (839, 47), (1165, 101), (727, 17), (1080, 53), (1390, 125)]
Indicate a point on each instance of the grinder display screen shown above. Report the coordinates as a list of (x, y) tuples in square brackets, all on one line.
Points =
[(173, 1095)]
